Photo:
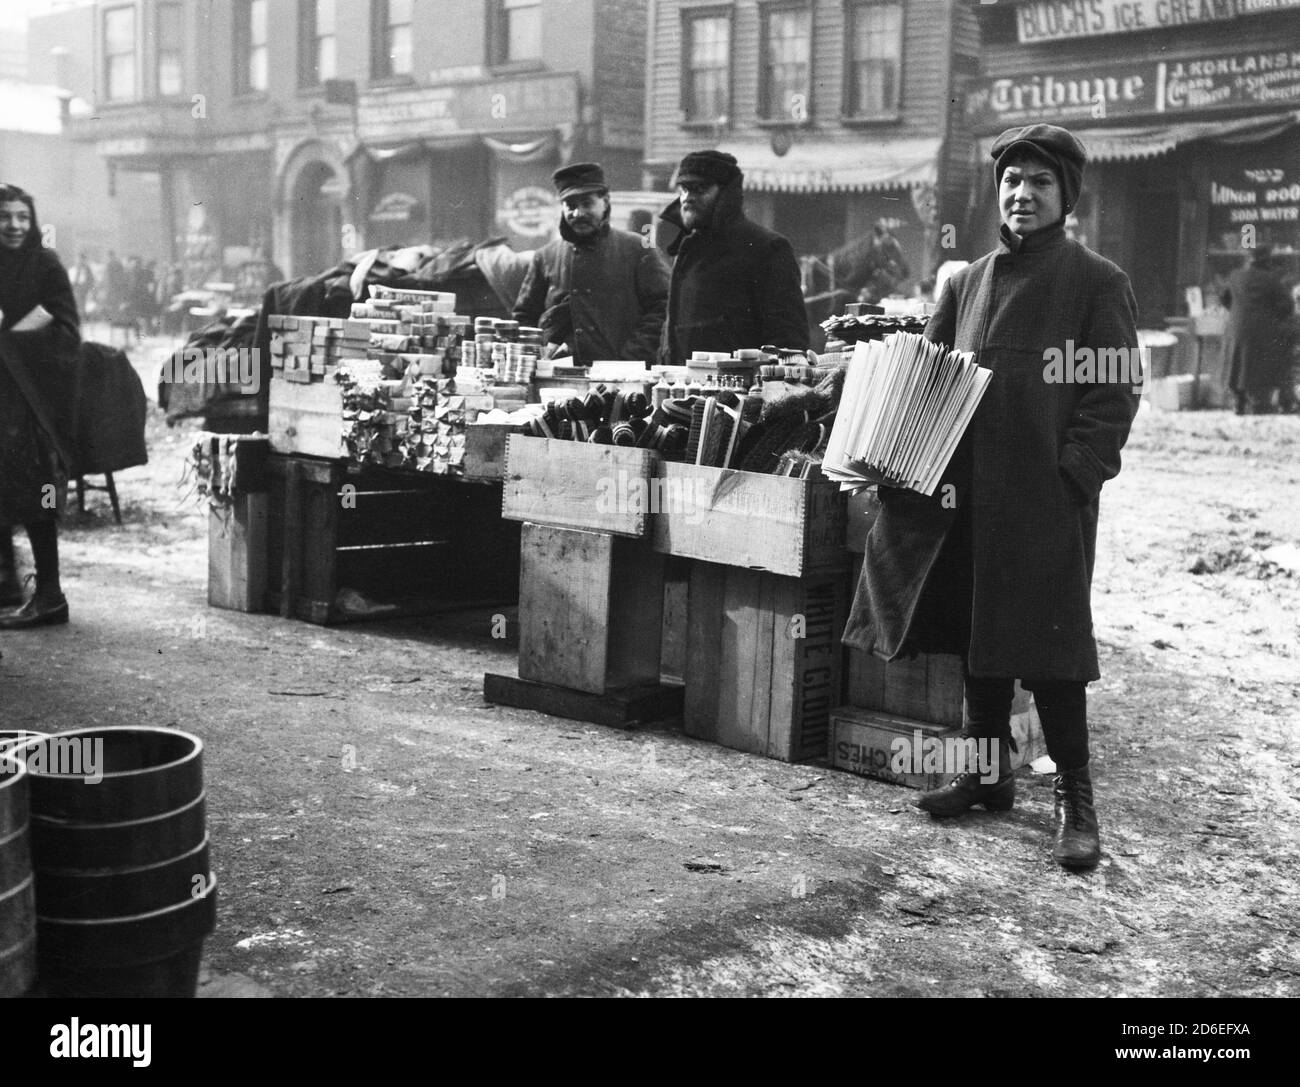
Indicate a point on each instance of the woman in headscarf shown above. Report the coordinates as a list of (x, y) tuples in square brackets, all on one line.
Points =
[(39, 341)]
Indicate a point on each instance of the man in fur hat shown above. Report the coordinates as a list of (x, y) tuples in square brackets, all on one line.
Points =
[(997, 566), (735, 284)]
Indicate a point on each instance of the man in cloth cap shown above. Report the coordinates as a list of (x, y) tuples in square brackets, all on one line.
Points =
[(735, 284), (997, 565), (600, 291)]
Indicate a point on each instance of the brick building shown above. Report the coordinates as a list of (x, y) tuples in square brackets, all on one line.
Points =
[(311, 128)]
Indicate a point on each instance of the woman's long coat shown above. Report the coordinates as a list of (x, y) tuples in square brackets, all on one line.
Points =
[(1004, 578)]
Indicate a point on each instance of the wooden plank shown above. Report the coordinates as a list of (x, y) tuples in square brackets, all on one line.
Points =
[(784, 526), (862, 742), (814, 677), (237, 554), (617, 708), (564, 606), (742, 704), (635, 614), (291, 568), (706, 596), (673, 640), (603, 488), (485, 450), (306, 418)]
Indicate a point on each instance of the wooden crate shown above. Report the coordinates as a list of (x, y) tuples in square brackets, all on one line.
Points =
[(751, 682), (862, 742), (306, 418), (485, 450), (590, 609), (237, 558), (791, 527), (404, 543), (603, 488)]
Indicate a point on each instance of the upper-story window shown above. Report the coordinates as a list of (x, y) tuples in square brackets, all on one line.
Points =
[(874, 61), (518, 34), (391, 34), (785, 85), (119, 54), (170, 72), (250, 46), (317, 42), (706, 65)]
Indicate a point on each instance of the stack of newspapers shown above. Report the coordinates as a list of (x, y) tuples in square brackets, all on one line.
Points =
[(905, 406)]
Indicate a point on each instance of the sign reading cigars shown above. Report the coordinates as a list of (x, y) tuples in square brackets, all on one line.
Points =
[(1057, 20), (1170, 89)]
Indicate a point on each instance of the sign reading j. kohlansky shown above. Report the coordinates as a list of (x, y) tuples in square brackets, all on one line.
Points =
[(1166, 88)]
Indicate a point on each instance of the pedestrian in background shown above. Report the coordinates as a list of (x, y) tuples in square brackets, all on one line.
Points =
[(735, 284), (83, 283), (997, 566), (39, 342), (1260, 335), (598, 290)]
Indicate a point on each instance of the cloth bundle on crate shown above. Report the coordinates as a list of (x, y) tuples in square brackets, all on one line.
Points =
[(110, 412)]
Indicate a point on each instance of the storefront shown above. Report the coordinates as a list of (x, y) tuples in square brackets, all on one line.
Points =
[(470, 160), (1194, 146)]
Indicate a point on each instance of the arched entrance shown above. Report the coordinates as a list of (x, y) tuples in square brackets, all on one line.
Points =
[(316, 219)]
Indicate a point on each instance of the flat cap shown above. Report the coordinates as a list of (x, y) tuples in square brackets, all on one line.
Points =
[(578, 179)]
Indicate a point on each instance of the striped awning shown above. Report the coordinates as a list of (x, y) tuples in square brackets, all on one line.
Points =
[(1150, 141), (815, 167)]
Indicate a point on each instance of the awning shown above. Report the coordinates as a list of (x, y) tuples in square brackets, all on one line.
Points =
[(826, 167), (1149, 141)]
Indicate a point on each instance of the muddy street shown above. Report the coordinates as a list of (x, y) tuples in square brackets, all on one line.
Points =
[(379, 830)]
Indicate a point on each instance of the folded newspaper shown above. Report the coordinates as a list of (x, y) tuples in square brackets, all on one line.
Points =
[(905, 406)]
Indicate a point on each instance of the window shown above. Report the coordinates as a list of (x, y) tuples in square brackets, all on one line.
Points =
[(706, 65), (119, 54), (316, 42), (786, 85), (519, 31), (391, 34), (250, 46), (170, 46), (874, 62)]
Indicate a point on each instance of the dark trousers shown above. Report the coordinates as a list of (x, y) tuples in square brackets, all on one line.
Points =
[(1062, 708)]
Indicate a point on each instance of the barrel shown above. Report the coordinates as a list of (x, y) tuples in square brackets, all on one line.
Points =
[(125, 895), (17, 892)]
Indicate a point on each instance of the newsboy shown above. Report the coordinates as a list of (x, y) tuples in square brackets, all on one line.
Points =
[(997, 566), (735, 284), (600, 290)]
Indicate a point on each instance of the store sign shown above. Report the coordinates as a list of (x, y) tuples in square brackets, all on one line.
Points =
[(1056, 20), (397, 207), (1172, 88), (509, 105), (1265, 197), (529, 212)]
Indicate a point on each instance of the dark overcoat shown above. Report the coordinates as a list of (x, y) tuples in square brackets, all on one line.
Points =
[(735, 284), (615, 287), (1004, 578), (1258, 339)]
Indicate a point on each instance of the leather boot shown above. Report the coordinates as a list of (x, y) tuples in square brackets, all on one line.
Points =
[(11, 589), (1077, 843), (967, 790)]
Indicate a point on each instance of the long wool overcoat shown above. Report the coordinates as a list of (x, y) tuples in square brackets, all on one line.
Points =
[(1005, 577), (1261, 329), (735, 284)]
